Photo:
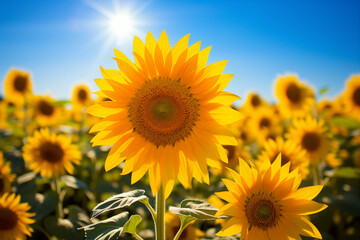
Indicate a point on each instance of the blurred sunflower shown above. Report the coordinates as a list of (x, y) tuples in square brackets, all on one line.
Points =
[(5, 175), (267, 204), (311, 135), (253, 103), (352, 96), (3, 115), (290, 152), (167, 113), (264, 119), (45, 112), (295, 98), (172, 222), (50, 154), (218, 203), (14, 218), (81, 97), (17, 86)]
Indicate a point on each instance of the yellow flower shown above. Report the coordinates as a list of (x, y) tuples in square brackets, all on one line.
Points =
[(295, 98), (50, 154), (17, 86), (311, 135), (167, 113), (3, 115), (290, 152), (45, 112), (253, 103), (266, 203), (218, 203), (172, 222), (81, 97), (5, 176), (352, 96), (14, 218)]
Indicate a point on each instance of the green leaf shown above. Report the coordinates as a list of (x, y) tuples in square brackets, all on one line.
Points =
[(132, 223), (27, 177), (118, 201), (62, 228), (60, 103), (78, 216), (196, 209), (109, 229), (345, 122), (73, 182), (346, 172), (323, 90), (42, 205)]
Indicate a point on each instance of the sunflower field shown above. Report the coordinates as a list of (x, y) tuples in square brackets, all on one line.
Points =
[(162, 152)]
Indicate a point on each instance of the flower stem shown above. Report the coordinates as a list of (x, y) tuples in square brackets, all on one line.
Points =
[(160, 215), (316, 174), (59, 209)]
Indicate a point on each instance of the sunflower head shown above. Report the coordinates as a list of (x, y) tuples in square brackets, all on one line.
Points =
[(50, 154), (295, 98), (5, 175), (253, 103), (265, 203), (312, 136), (352, 96), (81, 97), (17, 86), (45, 112), (14, 217), (167, 112)]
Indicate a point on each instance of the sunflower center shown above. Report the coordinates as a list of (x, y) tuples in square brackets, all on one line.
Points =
[(230, 151), (284, 158), (293, 93), (8, 219), (356, 96), (82, 95), (51, 152), (262, 211), (264, 123), (255, 101), (20, 83), (163, 111), (311, 141), (45, 108), (243, 136)]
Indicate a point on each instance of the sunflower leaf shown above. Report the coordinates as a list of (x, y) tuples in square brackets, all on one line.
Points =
[(109, 229), (119, 201), (73, 182), (195, 209), (323, 90), (60, 103), (348, 123), (132, 223)]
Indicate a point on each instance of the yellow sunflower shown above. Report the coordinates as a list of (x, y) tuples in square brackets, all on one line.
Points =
[(253, 103), (50, 154), (3, 115), (17, 86), (172, 222), (14, 218), (167, 113), (81, 97), (263, 120), (5, 176), (352, 96), (290, 152), (311, 135), (295, 98), (266, 203), (45, 112)]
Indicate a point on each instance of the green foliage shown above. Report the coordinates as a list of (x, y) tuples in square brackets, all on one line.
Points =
[(348, 123), (73, 182), (196, 209), (41, 204)]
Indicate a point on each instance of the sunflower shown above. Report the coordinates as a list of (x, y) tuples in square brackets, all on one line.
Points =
[(5, 176), (81, 97), (45, 112), (172, 222), (290, 152), (295, 98), (253, 103), (266, 203), (14, 218), (3, 115), (167, 113), (263, 120), (17, 86), (352, 96), (311, 135), (50, 154)]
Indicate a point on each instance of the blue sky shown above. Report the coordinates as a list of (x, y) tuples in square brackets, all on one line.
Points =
[(62, 43)]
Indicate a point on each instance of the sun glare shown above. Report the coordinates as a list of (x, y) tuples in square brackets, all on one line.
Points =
[(122, 26)]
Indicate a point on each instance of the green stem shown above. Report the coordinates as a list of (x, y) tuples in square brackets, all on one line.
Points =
[(137, 236), (178, 234), (59, 209), (316, 174), (151, 210), (160, 215)]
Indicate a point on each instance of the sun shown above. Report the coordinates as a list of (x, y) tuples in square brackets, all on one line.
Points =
[(122, 25)]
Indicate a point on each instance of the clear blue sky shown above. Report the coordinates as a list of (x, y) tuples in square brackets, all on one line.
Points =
[(62, 42)]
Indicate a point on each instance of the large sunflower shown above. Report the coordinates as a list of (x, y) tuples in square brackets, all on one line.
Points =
[(311, 135), (267, 204), (5, 176), (167, 112), (14, 218), (352, 96), (50, 154), (295, 98), (17, 86), (290, 152), (45, 112), (172, 222), (81, 97)]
